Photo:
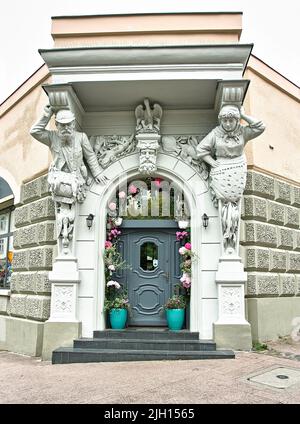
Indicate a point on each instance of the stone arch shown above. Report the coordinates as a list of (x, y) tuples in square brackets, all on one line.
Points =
[(197, 195)]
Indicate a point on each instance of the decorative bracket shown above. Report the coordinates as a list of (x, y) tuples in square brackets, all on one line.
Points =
[(231, 92), (62, 96)]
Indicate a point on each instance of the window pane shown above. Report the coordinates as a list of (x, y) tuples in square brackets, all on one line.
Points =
[(149, 256), (3, 273), (4, 223), (3, 248)]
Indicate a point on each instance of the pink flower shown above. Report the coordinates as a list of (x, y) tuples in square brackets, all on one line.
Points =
[(157, 182), (182, 250), (187, 284), (184, 277), (132, 189), (112, 206), (113, 283), (188, 246), (108, 244), (122, 195)]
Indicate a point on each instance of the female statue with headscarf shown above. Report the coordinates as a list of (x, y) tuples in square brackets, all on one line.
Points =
[(223, 150)]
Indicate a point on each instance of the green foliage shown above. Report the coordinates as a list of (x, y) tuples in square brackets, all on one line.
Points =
[(116, 301), (176, 302), (257, 346), (113, 261)]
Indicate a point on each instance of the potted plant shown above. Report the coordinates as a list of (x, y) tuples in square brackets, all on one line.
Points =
[(117, 304), (175, 311)]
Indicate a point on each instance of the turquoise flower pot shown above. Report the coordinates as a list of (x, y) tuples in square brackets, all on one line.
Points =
[(175, 318), (118, 318)]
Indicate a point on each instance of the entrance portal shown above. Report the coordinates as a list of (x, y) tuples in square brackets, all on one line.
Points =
[(152, 253)]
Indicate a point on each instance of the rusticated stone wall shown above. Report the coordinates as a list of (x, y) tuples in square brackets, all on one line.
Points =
[(270, 237), (34, 250)]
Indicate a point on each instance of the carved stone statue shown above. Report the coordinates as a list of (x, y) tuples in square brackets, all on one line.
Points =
[(108, 149), (184, 147), (223, 150), (147, 118), (68, 174), (147, 135)]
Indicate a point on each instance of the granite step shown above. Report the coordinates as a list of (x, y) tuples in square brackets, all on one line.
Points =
[(160, 334), (67, 355), (143, 344)]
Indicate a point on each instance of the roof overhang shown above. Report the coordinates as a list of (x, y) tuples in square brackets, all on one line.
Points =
[(147, 55), (119, 77)]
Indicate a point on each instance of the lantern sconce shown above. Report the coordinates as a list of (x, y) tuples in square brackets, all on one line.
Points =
[(89, 220), (205, 220)]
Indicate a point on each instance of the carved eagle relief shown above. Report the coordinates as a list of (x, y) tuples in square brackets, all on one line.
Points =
[(147, 118)]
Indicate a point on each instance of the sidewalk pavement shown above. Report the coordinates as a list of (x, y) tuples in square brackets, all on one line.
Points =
[(27, 380)]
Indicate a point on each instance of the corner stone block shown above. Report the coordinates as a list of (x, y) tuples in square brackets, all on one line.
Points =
[(17, 239), (38, 307), (20, 260), (4, 302), (294, 262), (45, 188), (41, 258), (295, 197), (297, 285), (22, 216), (296, 235), (278, 260), (263, 284), (28, 236), (282, 192), (257, 258), (265, 235), (260, 184), (275, 213), (268, 284), (287, 285), (259, 234), (17, 306), (251, 289), (254, 208), (42, 209), (42, 282), (291, 217), (14, 282), (24, 282), (46, 233), (285, 238), (31, 191)]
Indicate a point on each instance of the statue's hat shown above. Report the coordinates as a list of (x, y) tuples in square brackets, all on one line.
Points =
[(64, 116)]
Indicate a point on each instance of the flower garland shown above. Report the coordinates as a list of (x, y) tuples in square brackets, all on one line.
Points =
[(115, 295), (186, 260)]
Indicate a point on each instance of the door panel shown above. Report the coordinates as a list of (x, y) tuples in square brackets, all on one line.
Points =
[(150, 280)]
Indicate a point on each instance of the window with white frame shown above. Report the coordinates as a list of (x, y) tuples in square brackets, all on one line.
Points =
[(6, 249)]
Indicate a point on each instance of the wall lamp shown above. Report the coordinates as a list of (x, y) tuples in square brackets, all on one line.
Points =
[(205, 220), (89, 220)]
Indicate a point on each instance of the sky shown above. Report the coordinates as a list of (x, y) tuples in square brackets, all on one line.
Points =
[(25, 26)]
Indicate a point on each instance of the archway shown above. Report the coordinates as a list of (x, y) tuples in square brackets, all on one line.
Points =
[(198, 199)]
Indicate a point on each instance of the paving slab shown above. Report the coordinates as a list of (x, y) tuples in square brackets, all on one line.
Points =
[(27, 380)]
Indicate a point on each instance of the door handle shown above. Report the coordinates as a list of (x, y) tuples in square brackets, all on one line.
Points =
[(166, 274)]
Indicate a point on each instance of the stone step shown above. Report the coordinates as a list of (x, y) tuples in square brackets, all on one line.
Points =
[(143, 344), (147, 334), (68, 355)]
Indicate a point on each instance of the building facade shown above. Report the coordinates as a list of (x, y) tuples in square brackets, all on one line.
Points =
[(145, 92)]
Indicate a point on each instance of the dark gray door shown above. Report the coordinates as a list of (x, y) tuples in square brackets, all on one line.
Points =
[(153, 257)]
